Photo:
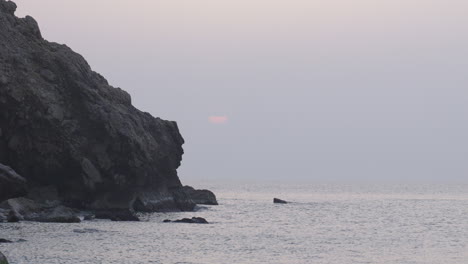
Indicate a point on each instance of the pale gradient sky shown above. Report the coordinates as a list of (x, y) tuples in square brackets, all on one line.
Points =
[(312, 90)]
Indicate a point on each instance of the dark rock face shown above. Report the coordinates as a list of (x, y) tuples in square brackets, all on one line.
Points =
[(279, 201), (47, 195), (3, 259), (63, 125), (11, 184), (193, 220)]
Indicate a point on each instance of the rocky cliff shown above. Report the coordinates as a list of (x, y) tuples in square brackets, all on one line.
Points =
[(63, 125)]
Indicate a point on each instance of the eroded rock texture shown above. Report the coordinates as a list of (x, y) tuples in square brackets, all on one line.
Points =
[(63, 125)]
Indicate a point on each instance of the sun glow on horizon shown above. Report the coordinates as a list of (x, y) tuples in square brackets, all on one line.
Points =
[(218, 119)]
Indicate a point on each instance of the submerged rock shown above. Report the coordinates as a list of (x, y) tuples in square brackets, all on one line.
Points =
[(117, 215), (193, 220), (3, 259), (11, 184), (86, 230), (279, 201), (63, 126)]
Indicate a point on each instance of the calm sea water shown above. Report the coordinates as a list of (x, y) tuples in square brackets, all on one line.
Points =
[(327, 223)]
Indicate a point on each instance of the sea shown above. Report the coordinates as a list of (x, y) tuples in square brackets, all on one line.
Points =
[(323, 223)]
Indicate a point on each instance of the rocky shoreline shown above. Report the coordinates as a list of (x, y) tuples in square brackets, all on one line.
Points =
[(43, 204), (74, 148)]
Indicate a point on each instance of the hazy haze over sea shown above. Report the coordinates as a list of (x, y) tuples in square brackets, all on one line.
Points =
[(282, 91), (327, 223), (320, 89)]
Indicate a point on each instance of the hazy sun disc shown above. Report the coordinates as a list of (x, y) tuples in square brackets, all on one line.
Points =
[(218, 119)]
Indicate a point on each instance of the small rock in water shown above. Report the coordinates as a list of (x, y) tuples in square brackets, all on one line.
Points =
[(193, 220), (200, 196), (2, 240), (276, 200), (21, 240)]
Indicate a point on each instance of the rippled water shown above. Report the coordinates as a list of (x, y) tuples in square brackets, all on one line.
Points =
[(326, 224)]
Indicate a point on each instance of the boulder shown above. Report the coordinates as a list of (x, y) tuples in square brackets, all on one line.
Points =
[(163, 201), (200, 196), (3, 259), (22, 208), (279, 201), (11, 184)]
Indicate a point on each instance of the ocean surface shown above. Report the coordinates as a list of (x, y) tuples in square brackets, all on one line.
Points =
[(326, 223)]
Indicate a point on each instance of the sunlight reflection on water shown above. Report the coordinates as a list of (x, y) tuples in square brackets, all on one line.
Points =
[(325, 224)]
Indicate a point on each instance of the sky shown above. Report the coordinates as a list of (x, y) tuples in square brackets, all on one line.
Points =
[(287, 90)]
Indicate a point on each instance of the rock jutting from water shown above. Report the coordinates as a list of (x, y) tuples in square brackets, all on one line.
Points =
[(279, 201), (200, 196), (193, 220), (77, 139)]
